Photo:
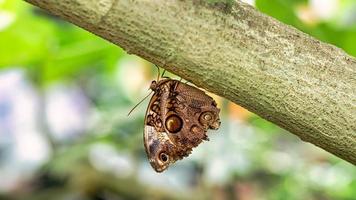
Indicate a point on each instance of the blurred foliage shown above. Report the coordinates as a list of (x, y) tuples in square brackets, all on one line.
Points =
[(103, 156), (51, 47)]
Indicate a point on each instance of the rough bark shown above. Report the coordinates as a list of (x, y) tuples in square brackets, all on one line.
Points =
[(281, 74)]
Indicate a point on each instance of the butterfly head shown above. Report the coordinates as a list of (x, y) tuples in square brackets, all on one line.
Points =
[(153, 85)]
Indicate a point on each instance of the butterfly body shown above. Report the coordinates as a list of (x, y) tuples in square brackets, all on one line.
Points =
[(177, 119)]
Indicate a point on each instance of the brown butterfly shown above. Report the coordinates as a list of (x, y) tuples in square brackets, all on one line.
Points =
[(177, 119)]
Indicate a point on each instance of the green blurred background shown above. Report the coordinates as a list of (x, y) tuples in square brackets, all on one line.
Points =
[(64, 131)]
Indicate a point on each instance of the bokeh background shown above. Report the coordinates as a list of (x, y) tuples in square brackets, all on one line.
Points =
[(65, 134)]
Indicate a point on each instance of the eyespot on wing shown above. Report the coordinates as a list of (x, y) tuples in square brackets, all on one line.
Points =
[(174, 123)]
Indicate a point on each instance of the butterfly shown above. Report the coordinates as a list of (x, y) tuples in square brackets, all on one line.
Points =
[(177, 119)]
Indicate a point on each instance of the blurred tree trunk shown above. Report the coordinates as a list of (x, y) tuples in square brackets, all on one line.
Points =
[(281, 74)]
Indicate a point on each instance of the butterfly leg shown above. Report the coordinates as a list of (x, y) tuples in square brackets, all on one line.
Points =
[(162, 76), (175, 87), (158, 72)]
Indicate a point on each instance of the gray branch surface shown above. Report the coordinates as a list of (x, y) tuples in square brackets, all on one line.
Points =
[(285, 76)]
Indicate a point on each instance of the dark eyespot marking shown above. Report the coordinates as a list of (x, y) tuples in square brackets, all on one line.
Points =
[(164, 157), (206, 117), (174, 124)]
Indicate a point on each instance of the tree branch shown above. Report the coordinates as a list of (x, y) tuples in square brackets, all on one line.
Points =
[(281, 74)]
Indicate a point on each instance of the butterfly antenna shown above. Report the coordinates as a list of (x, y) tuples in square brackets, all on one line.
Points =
[(139, 103)]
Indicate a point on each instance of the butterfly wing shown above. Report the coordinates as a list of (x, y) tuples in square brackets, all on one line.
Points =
[(177, 119), (158, 147), (187, 115)]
